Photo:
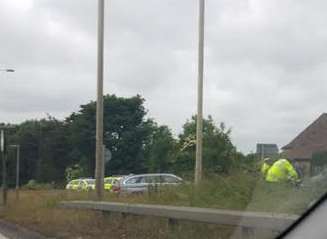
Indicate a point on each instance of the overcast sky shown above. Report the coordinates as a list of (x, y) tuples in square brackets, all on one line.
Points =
[(265, 61)]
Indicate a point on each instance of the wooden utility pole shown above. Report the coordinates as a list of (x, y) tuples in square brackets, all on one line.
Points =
[(99, 164), (199, 123)]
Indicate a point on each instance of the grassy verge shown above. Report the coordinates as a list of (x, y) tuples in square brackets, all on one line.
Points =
[(37, 209)]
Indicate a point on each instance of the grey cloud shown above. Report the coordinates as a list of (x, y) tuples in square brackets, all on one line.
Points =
[(264, 67), (287, 34)]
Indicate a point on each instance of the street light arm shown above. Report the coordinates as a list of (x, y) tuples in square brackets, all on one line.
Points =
[(7, 70)]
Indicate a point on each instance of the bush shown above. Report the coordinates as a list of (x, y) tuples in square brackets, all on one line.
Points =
[(34, 185)]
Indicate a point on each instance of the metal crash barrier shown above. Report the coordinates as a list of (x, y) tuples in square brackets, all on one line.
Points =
[(249, 223)]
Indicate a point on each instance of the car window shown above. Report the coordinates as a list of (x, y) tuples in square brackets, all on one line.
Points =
[(108, 181), (75, 182), (169, 179), (117, 182), (135, 180), (114, 181), (90, 181), (142, 180), (150, 179)]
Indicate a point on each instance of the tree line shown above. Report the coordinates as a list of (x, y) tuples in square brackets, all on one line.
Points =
[(50, 147)]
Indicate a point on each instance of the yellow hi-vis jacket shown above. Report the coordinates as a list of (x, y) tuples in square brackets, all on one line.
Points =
[(264, 169), (281, 171)]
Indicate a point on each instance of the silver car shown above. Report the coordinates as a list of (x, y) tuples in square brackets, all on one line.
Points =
[(143, 182)]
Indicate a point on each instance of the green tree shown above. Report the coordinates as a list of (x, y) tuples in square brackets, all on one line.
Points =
[(53, 148), (44, 148), (125, 134), (219, 153), (159, 149)]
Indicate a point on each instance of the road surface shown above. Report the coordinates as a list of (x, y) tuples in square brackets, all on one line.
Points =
[(3, 237), (9, 230)]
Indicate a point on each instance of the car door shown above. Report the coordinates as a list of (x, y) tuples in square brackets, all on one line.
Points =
[(81, 185), (75, 185), (153, 183), (136, 184), (108, 184)]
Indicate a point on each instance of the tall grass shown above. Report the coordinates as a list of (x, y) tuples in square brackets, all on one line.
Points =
[(239, 191), (37, 210)]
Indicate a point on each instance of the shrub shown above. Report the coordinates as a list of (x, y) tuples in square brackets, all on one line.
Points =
[(34, 185)]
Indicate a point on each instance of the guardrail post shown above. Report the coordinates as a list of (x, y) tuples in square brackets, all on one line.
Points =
[(173, 225), (123, 215), (106, 213), (248, 233)]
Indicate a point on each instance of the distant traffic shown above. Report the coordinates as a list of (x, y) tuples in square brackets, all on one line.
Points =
[(127, 184)]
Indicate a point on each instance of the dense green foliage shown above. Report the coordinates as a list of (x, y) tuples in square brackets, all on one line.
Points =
[(159, 148), (44, 146), (125, 132), (51, 148), (219, 153)]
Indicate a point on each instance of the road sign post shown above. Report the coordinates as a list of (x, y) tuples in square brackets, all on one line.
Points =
[(107, 154), (2, 141), (17, 172), (106, 157), (17, 147), (4, 166)]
